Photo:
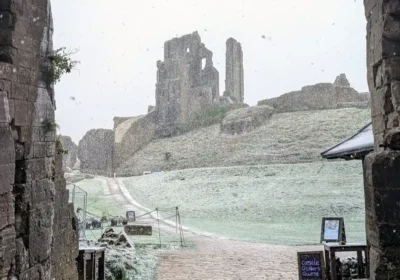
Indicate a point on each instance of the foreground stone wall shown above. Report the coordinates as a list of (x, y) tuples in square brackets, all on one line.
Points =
[(318, 97), (382, 176), (95, 152), (33, 196)]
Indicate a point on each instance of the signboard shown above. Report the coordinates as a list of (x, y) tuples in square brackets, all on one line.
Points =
[(130, 216), (332, 230), (311, 265)]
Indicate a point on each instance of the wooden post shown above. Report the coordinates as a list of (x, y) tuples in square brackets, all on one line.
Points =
[(159, 232)]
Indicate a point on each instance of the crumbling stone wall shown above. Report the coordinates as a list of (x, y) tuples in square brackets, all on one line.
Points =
[(382, 176), (246, 119), (183, 86), (33, 195), (234, 82), (319, 96), (95, 152), (70, 160), (131, 135)]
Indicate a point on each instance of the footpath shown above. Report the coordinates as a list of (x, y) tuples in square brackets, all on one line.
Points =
[(215, 258)]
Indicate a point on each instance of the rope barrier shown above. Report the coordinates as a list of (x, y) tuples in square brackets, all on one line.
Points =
[(177, 217), (145, 214)]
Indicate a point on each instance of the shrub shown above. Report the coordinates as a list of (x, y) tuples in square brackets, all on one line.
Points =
[(50, 125), (59, 147), (210, 116), (60, 64)]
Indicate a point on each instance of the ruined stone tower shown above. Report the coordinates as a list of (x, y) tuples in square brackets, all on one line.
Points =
[(38, 238), (234, 82), (187, 82)]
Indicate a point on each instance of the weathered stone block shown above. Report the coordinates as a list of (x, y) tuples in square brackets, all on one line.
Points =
[(22, 256), (5, 85), (6, 210), (7, 71), (381, 267), (40, 149), (34, 92), (7, 153), (43, 191), (4, 108), (11, 106), (391, 28), (395, 90), (378, 140), (38, 169), (25, 134), (50, 149), (29, 150), (22, 113), (385, 170), (391, 7), (32, 273), (7, 250), (393, 120), (6, 36), (20, 91), (26, 76), (379, 122), (391, 69), (7, 174), (392, 139), (40, 235)]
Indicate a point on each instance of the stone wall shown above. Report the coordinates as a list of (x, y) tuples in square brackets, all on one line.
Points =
[(234, 82), (33, 195), (70, 160), (382, 176), (246, 119), (132, 135), (318, 97), (95, 152)]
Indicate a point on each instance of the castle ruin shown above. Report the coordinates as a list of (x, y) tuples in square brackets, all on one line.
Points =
[(188, 82)]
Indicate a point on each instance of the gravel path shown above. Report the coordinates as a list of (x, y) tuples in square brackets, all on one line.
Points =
[(214, 258)]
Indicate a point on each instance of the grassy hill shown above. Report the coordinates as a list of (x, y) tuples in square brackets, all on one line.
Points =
[(274, 204), (284, 138)]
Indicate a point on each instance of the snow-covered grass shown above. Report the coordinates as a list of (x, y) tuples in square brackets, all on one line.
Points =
[(121, 263), (284, 138), (98, 202), (276, 204)]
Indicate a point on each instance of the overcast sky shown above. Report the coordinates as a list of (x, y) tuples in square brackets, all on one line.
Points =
[(119, 42)]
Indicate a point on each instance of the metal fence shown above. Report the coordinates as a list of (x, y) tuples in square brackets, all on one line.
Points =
[(78, 197)]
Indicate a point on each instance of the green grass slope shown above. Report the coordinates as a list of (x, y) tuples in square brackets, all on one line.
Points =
[(275, 204), (285, 138)]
